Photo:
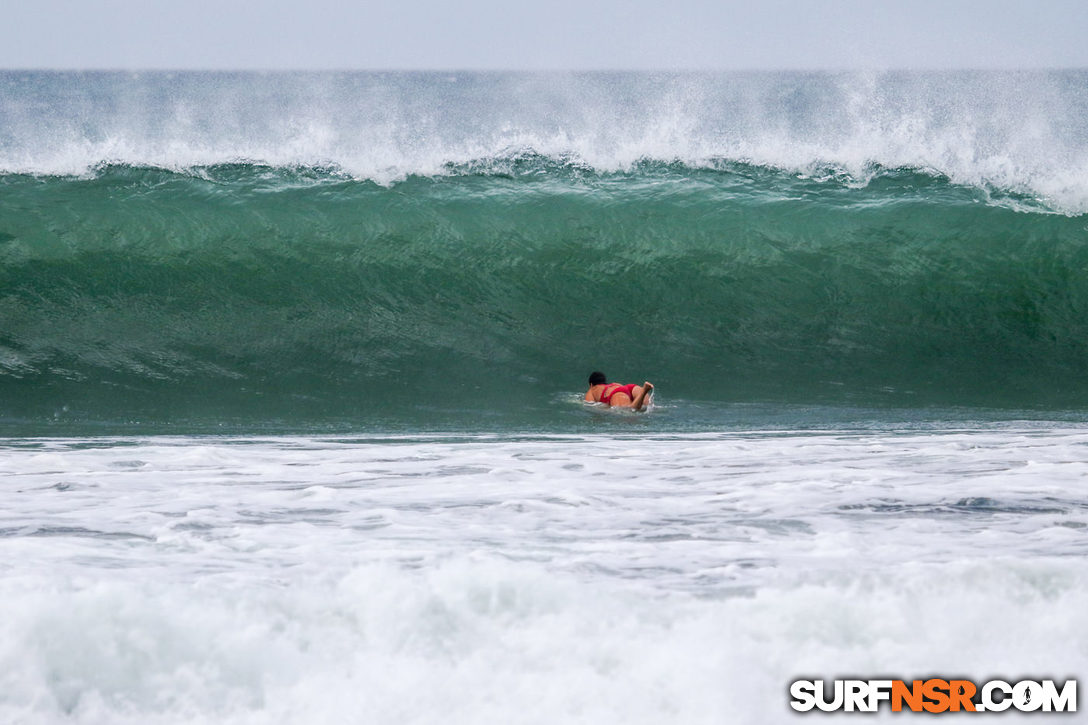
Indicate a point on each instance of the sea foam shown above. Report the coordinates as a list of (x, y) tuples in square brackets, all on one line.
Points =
[(1020, 131), (595, 579)]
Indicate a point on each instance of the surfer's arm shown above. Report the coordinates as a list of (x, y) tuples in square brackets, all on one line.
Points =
[(642, 395)]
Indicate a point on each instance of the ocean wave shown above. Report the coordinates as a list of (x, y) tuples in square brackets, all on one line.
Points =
[(1023, 133), (248, 290)]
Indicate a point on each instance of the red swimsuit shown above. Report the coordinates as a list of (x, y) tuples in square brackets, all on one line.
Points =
[(606, 394)]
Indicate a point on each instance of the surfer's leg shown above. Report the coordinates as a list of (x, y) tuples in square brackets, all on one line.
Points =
[(642, 395)]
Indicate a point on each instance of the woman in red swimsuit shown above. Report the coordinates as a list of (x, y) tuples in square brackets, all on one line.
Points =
[(615, 395)]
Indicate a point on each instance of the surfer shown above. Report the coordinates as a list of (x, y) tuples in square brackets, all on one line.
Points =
[(616, 395)]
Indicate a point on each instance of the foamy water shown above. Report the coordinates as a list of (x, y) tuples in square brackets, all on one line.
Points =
[(466, 579), (1019, 131)]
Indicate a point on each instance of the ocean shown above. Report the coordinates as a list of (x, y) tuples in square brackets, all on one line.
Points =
[(291, 377)]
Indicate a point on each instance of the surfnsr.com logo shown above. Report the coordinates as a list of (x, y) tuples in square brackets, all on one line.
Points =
[(933, 695)]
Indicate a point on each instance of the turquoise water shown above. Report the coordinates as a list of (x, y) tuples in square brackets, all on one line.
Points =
[(414, 251)]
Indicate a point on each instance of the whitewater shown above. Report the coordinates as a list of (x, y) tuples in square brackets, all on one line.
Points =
[(536, 579), (291, 377), (1010, 130)]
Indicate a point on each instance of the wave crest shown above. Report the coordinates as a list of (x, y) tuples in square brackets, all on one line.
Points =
[(1025, 133)]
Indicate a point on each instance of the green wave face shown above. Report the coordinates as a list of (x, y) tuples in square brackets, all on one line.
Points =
[(248, 292)]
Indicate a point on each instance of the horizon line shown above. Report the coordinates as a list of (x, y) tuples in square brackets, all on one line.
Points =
[(555, 70)]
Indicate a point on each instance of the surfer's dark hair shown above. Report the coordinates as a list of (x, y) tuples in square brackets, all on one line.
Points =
[(597, 377)]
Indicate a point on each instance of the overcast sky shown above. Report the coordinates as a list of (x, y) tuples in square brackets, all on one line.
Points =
[(552, 34)]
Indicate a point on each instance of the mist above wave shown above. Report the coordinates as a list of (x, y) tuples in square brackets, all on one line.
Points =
[(1024, 132)]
